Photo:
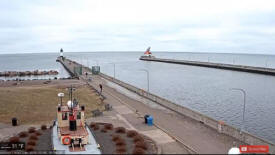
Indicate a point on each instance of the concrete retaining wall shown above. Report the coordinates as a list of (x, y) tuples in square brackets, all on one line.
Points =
[(217, 125)]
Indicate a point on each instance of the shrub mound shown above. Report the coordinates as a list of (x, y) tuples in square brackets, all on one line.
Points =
[(43, 127), (108, 126), (120, 130), (31, 142), (138, 151), (31, 130), (131, 133), (92, 124), (115, 138), (138, 138), (23, 134), (120, 142), (96, 127), (14, 139), (103, 130), (141, 145)]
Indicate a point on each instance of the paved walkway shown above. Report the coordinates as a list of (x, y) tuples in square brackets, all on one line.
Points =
[(125, 116), (192, 134)]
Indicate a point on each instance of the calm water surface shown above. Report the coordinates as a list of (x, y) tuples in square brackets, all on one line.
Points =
[(31, 62), (206, 90)]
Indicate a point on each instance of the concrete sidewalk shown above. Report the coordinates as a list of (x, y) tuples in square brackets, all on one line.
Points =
[(191, 134), (125, 116)]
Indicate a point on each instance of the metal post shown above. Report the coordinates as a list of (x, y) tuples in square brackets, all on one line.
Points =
[(147, 78), (244, 101), (114, 76), (114, 70)]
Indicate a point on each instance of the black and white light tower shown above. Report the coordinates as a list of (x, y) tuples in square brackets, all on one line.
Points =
[(61, 53)]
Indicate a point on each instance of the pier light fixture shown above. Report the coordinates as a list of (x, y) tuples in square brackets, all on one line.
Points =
[(114, 69), (60, 95), (145, 70), (244, 102)]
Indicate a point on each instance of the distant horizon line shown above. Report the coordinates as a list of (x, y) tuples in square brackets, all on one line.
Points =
[(138, 51)]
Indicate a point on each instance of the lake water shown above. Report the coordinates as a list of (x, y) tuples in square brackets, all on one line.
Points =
[(206, 90), (31, 62)]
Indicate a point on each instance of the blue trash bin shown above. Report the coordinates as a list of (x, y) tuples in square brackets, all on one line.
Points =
[(150, 120)]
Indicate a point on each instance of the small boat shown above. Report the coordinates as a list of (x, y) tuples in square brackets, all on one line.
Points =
[(70, 134)]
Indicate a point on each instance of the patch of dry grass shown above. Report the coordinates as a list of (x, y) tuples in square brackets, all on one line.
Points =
[(38, 105)]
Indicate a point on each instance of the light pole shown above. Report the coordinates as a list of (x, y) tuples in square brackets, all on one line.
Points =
[(244, 101), (60, 95), (147, 78), (114, 70)]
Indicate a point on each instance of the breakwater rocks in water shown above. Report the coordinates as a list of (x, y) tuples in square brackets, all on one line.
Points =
[(28, 73)]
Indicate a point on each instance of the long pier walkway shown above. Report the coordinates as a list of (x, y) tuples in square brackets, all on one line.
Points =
[(192, 136), (195, 137), (251, 69)]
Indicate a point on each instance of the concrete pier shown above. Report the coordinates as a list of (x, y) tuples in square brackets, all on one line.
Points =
[(68, 65), (251, 69)]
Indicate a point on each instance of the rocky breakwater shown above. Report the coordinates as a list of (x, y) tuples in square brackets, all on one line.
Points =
[(28, 73)]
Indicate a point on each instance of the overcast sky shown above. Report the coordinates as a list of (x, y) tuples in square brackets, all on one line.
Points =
[(246, 26)]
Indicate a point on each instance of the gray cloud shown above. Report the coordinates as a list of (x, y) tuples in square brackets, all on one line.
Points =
[(46, 26)]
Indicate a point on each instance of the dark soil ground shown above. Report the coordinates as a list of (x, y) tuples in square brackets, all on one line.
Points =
[(107, 146), (104, 139), (43, 142)]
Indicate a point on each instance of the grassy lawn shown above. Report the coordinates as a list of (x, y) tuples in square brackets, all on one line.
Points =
[(38, 105)]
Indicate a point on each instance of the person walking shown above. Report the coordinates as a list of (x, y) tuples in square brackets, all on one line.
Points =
[(100, 86)]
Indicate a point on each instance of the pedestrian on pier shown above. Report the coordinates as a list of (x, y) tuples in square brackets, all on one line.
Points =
[(100, 86)]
